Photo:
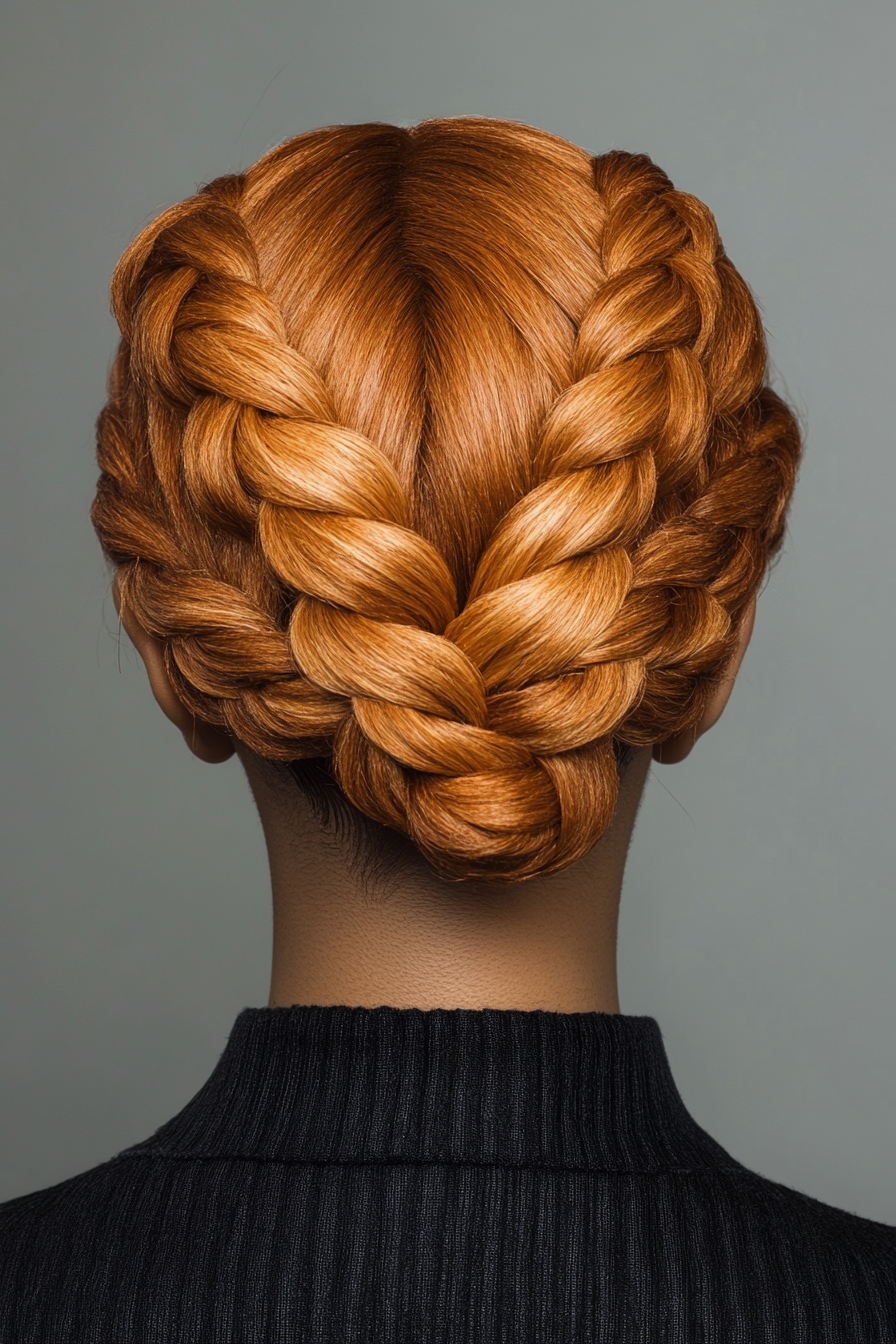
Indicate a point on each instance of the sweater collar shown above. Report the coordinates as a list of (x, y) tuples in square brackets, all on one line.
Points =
[(589, 1091)]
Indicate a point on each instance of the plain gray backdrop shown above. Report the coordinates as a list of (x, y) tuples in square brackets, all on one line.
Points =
[(758, 920)]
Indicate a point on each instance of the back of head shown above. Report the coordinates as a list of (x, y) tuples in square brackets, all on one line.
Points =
[(444, 454)]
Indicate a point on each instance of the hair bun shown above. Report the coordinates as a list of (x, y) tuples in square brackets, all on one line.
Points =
[(444, 453)]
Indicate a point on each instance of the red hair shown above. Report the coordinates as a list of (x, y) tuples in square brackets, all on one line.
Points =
[(444, 453)]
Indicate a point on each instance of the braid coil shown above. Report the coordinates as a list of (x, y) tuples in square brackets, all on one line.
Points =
[(284, 556)]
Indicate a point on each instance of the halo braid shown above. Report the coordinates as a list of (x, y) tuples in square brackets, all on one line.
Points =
[(278, 554)]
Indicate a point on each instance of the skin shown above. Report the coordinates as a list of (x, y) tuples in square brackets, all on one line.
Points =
[(348, 934)]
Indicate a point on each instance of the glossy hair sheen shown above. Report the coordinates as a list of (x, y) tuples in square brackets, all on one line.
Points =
[(444, 454)]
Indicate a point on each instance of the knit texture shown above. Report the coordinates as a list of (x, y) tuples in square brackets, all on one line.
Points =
[(396, 1175)]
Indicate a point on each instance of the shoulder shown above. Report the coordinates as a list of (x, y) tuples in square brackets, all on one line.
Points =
[(28, 1219), (59, 1233), (791, 1210), (806, 1240)]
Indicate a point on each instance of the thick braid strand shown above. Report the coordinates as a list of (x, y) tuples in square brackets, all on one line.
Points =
[(595, 611), (363, 657)]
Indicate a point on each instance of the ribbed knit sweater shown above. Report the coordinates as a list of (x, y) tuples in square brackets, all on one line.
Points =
[(396, 1175)]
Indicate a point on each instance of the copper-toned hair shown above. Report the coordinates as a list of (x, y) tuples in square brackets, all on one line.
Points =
[(445, 454)]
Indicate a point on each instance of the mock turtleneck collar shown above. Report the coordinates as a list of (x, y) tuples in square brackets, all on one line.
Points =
[(338, 1084)]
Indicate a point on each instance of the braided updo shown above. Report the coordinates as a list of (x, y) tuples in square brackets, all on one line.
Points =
[(443, 454)]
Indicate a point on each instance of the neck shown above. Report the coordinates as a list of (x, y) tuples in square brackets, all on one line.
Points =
[(345, 935)]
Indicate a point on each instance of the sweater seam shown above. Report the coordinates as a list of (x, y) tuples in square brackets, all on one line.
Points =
[(262, 1159)]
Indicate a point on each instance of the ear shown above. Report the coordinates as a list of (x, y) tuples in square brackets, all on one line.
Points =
[(675, 749), (205, 741)]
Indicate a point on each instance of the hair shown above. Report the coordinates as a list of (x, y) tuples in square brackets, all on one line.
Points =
[(444, 455)]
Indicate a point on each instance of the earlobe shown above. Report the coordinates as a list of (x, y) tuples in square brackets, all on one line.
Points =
[(677, 748), (206, 742)]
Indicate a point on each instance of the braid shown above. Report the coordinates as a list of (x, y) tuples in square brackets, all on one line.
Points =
[(260, 446), (202, 346), (608, 596), (283, 553)]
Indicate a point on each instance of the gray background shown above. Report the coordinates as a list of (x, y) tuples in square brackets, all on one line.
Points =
[(759, 920)]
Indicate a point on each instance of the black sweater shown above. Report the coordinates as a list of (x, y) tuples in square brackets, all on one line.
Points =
[(382, 1175)]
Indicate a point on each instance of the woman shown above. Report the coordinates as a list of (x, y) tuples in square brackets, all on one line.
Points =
[(439, 477)]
